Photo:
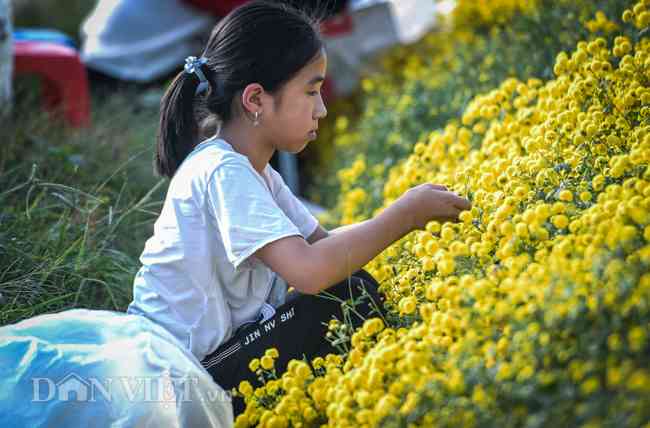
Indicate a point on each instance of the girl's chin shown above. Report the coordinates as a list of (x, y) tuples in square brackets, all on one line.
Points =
[(296, 148)]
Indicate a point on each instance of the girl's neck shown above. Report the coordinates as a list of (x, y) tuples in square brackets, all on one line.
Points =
[(248, 141)]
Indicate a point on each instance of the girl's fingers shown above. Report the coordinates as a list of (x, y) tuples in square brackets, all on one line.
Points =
[(461, 203)]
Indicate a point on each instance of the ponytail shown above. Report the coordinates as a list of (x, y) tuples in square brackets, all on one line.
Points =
[(178, 128)]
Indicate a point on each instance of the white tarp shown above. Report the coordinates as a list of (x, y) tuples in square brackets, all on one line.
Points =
[(142, 40)]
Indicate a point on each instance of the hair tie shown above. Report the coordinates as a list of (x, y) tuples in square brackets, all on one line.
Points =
[(193, 66)]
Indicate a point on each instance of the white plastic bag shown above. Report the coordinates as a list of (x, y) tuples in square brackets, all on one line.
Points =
[(103, 369)]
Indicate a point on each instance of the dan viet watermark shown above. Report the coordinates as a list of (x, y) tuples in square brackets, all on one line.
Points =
[(148, 389)]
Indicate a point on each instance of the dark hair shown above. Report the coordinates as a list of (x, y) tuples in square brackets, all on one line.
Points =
[(263, 42)]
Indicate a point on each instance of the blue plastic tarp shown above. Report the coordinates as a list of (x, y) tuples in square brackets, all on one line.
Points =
[(103, 369)]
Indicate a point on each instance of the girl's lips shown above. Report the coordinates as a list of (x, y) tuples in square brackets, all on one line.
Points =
[(313, 134)]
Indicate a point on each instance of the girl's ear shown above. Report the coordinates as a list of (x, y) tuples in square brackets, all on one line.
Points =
[(252, 98)]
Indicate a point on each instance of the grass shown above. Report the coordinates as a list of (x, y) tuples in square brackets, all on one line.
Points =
[(75, 205)]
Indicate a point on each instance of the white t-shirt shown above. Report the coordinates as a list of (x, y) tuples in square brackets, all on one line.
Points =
[(198, 276)]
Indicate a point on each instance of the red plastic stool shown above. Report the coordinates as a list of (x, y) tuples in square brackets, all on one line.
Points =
[(337, 25), (65, 82), (219, 8)]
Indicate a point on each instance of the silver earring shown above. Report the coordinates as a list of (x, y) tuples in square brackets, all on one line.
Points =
[(256, 121)]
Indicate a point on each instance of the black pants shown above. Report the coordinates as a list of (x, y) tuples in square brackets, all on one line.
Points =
[(297, 330)]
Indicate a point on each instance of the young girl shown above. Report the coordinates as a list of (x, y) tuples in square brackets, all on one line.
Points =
[(231, 236)]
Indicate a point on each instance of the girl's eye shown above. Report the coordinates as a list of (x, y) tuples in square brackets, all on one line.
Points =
[(313, 93)]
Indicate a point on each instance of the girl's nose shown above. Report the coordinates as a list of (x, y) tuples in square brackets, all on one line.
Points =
[(321, 111)]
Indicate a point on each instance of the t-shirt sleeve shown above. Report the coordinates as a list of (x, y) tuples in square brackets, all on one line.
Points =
[(292, 207), (246, 213)]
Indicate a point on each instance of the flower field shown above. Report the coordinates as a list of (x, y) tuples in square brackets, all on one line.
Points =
[(533, 310), (427, 86)]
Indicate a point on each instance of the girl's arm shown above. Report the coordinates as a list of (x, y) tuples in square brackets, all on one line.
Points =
[(311, 268)]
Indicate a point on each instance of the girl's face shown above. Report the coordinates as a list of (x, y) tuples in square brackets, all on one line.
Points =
[(293, 122)]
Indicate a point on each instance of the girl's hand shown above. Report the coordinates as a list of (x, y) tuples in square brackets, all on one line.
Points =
[(428, 202)]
